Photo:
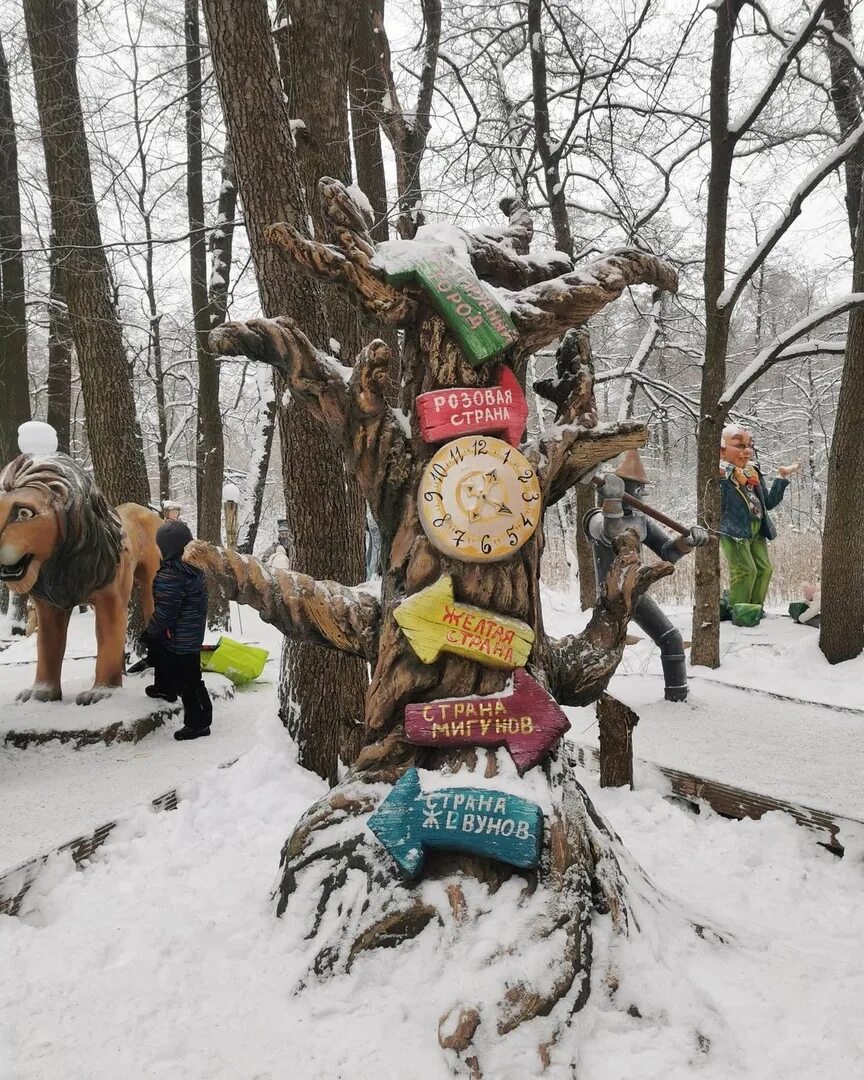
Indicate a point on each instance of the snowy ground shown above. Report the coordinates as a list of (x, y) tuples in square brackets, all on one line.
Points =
[(163, 959)]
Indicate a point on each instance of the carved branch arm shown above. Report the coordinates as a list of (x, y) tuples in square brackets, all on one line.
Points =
[(579, 666), (349, 401), (546, 311), (303, 609)]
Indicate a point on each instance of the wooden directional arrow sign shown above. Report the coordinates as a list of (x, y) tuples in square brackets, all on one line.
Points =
[(474, 410), (434, 623), (527, 721), (491, 823), (478, 322)]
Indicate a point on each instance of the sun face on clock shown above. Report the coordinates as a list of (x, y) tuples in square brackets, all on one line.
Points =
[(479, 499)]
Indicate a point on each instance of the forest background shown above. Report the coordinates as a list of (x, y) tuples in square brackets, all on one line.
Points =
[(598, 117)]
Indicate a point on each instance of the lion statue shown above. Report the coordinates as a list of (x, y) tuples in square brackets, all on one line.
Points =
[(63, 544)]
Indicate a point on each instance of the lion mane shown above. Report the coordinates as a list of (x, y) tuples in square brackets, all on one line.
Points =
[(91, 534)]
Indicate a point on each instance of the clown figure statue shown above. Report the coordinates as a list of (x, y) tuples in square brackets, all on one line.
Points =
[(604, 523), (745, 527)]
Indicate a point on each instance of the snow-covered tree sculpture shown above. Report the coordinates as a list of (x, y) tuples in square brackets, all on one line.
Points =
[(334, 872)]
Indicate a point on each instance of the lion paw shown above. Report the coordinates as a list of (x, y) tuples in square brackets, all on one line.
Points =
[(94, 694), (40, 693)]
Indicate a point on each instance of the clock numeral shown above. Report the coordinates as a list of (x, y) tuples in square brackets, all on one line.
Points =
[(530, 498), (438, 471), (439, 521), (430, 495), (506, 457), (527, 522), (526, 477), (514, 539), (460, 536), (480, 446), (485, 546), (456, 455)]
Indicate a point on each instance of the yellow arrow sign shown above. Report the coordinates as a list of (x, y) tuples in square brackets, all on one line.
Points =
[(434, 623)]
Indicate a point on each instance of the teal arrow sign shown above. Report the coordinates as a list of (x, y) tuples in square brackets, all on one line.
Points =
[(483, 822)]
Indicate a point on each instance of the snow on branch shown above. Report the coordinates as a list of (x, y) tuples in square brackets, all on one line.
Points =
[(780, 350), (640, 357), (787, 57), (544, 312), (730, 294)]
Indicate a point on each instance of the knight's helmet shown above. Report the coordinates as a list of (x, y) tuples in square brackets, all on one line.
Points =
[(632, 472)]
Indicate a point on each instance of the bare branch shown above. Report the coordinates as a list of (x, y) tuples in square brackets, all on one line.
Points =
[(563, 455), (780, 350)]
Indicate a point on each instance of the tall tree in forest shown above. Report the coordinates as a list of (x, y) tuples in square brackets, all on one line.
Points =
[(841, 635), (407, 128), (367, 87), (59, 414), (312, 468), (13, 321), (209, 454), (327, 724), (106, 378)]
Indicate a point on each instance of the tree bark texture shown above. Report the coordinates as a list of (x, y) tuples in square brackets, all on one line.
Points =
[(321, 700), (330, 865), (616, 723), (13, 321), (106, 378), (841, 633), (59, 356), (845, 95)]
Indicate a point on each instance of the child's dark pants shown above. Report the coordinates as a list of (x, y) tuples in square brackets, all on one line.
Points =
[(180, 673)]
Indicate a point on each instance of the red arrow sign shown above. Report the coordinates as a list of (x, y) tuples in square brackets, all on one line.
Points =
[(527, 721), (474, 410)]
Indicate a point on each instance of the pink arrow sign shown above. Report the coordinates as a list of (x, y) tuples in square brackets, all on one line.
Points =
[(527, 721), (474, 410)]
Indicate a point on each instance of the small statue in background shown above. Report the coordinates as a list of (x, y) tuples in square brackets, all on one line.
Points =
[(612, 517), (745, 527), (276, 556)]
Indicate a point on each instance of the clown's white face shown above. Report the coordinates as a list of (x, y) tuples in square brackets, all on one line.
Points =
[(738, 449)]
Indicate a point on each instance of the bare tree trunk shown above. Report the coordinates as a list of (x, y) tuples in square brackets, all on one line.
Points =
[(13, 320), (706, 608), (256, 477), (59, 356), (106, 377), (209, 446), (325, 512), (13, 317), (327, 724), (841, 636), (367, 87)]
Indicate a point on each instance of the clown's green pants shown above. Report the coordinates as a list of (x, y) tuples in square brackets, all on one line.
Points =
[(750, 569)]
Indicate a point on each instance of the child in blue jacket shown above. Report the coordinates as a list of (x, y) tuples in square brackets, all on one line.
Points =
[(175, 633)]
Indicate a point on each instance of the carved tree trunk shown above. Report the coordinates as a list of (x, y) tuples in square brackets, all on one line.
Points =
[(332, 865), (106, 379)]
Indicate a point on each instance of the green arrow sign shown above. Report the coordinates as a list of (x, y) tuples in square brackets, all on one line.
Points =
[(479, 323)]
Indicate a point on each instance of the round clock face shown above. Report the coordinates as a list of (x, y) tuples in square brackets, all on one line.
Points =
[(479, 499)]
